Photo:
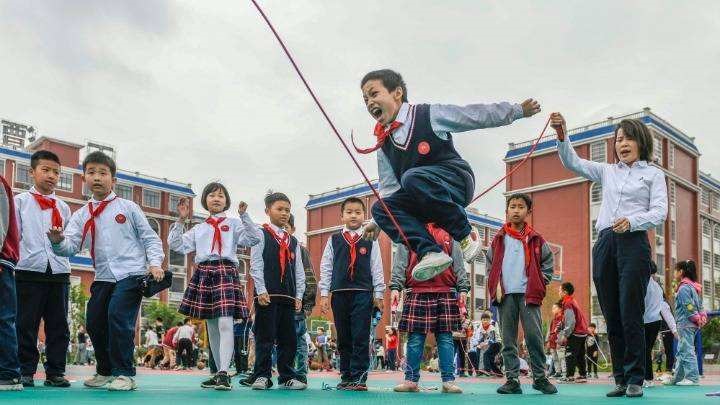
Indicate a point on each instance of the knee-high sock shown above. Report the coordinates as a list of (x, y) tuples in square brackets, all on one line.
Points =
[(220, 332)]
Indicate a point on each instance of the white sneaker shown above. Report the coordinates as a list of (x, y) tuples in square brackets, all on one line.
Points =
[(431, 265), (261, 383), (686, 383), (11, 385), (668, 379), (471, 246), (98, 381), (648, 384), (293, 384), (122, 383)]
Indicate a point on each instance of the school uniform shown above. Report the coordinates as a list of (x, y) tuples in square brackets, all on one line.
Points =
[(43, 282), (351, 269), (276, 268), (638, 193), (657, 311), (575, 331), (423, 179), (9, 256), (430, 306), (122, 246), (214, 290)]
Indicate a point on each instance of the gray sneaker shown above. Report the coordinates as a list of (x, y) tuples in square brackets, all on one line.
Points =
[(293, 384), (98, 381), (261, 383)]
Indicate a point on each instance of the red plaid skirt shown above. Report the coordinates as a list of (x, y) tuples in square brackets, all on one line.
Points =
[(430, 312), (214, 291)]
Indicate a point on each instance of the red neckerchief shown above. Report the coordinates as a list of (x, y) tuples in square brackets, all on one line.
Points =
[(90, 224), (284, 252), (522, 236), (217, 236), (381, 133), (352, 241), (47, 203), (567, 299)]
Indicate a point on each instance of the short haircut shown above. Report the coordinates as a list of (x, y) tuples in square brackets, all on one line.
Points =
[(592, 325), (637, 131), (215, 186), (100, 158), (688, 269), (568, 288), (187, 320), (291, 221), (352, 200), (179, 324), (519, 196), (272, 198), (486, 315), (43, 155), (158, 319), (390, 79), (653, 267)]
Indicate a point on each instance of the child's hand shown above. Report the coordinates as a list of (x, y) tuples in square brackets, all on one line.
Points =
[(55, 234), (378, 302), (371, 231), (394, 297), (183, 209), (264, 299), (557, 121), (242, 207), (298, 305), (530, 107), (157, 273), (324, 305)]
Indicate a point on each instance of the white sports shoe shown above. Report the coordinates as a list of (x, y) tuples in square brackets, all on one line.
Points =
[(293, 384), (122, 383), (431, 265), (98, 381), (261, 383), (471, 246), (648, 384), (686, 383)]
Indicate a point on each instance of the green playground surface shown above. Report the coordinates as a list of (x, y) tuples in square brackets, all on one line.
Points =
[(180, 389)]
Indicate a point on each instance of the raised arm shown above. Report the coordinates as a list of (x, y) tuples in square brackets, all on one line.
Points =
[(249, 235), (453, 118)]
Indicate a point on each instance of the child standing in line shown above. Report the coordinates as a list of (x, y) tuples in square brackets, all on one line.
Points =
[(573, 335)]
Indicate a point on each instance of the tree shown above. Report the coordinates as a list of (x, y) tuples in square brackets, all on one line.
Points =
[(169, 315), (78, 304)]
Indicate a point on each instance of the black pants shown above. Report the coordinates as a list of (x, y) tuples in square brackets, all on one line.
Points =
[(575, 356), (435, 194), (275, 323), (391, 356), (668, 340), (352, 311), (489, 358), (621, 270), (48, 301), (241, 354), (592, 358), (651, 332), (111, 316), (184, 352)]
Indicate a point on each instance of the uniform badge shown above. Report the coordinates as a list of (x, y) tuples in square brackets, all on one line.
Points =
[(224, 228), (363, 251), (120, 218), (423, 148)]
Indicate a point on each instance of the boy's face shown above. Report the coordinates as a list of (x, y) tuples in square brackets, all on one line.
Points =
[(485, 322), (561, 292), (591, 329), (279, 213), (626, 148), (216, 201), (383, 105), (99, 179), (45, 175), (517, 211), (353, 215)]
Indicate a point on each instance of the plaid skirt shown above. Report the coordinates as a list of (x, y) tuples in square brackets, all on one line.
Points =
[(430, 312), (214, 291)]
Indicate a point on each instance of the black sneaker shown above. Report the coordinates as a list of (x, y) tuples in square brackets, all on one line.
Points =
[(543, 385), (57, 381), (247, 382), (222, 382), (210, 383), (619, 391), (27, 381), (512, 386)]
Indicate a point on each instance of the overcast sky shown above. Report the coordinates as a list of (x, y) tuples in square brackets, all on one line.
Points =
[(200, 91)]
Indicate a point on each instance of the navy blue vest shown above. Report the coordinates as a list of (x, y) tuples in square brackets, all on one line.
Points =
[(362, 276), (271, 269), (424, 148)]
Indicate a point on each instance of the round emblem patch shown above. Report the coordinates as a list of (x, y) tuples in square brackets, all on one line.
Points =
[(363, 251), (423, 148), (224, 228), (120, 218)]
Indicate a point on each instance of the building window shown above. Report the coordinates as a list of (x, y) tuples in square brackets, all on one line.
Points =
[(479, 304), (154, 224), (596, 311), (707, 258), (672, 230), (596, 193), (22, 176), (151, 198), (715, 202), (706, 228), (671, 155), (481, 233), (705, 198), (491, 235), (660, 262), (178, 284), (176, 259), (657, 150), (598, 152), (716, 232), (660, 230), (65, 182), (479, 280), (124, 191), (174, 201), (706, 287), (672, 192), (593, 231), (716, 262), (2, 167)]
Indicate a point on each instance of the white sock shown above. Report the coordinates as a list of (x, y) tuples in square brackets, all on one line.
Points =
[(222, 341)]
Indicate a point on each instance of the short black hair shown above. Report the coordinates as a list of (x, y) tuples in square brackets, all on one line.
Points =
[(568, 288), (291, 221), (519, 196), (187, 320), (352, 200), (100, 158), (43, 155), (179, 324), (688, 269), (159, 319), (653, 267), (272, 198), (592, 325), (637, 131), (486, 315), (390, 79), (215, 186)]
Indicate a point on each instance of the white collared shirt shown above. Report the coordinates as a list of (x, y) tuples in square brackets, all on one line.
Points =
[(636, 192), (445, 119), (125, 243), (36, 251), (199, 239), (257, 265), (376, 267)]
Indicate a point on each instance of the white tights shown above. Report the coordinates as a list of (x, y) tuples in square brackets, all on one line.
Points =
[(222, 341)]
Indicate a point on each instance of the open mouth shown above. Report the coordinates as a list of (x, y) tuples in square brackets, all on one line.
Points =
[(376, 112), (624, 153)]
